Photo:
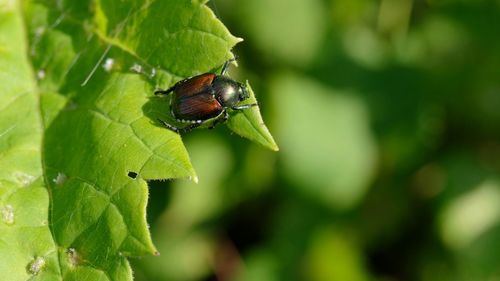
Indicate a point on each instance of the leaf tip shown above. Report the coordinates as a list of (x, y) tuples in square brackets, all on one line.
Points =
[(194, 179), (270, 142), (274, 147), (238, 39)]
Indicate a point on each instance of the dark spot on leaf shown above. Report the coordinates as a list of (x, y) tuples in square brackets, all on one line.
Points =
[(132, 175)]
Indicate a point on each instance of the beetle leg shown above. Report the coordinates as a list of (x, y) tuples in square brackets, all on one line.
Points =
[(164, 92), (226, 116), (245, 106), (180, 130), (188, 128), (170, 127), (220, 120), (226, 65)]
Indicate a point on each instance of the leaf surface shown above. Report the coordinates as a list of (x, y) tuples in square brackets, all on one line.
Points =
[(79, 132), (248, 123), (26, 245)]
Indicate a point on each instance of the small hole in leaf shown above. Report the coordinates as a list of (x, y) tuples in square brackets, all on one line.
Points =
[(132, 175)]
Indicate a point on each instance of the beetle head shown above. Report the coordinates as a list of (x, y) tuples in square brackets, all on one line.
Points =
[(242, 92)]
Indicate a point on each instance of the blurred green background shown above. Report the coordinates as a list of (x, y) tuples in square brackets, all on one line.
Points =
[(387, 114)]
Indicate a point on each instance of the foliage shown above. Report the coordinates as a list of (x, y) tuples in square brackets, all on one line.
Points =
[(79, 128), (386, 113), (387, 117)]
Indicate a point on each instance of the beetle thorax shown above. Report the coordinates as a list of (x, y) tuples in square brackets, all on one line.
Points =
[(227, 91)]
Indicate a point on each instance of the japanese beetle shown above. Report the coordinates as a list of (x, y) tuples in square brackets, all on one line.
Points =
[(204, 97)]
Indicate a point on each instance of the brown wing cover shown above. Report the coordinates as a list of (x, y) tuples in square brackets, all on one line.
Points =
[(201, 106), (194, 85)]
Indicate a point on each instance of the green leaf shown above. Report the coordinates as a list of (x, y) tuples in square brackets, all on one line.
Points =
[(180, 24), (278, 39), (27, 247), (183, 38), (336, 165), (329, 244), (78, 122), (248, 123)]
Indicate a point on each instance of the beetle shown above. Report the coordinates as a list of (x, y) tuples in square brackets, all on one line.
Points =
[(205, 97)]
